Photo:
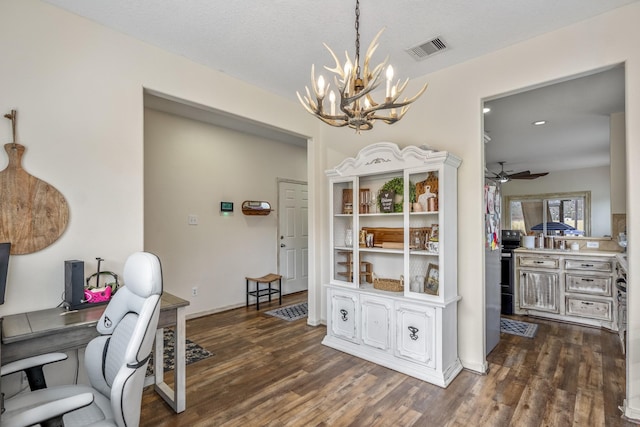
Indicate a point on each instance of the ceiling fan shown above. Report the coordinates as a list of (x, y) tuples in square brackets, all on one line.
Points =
[(505, 177)]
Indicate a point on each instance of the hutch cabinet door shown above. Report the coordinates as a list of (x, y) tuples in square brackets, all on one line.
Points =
[(376, 322), (343, 316), (415, 339)]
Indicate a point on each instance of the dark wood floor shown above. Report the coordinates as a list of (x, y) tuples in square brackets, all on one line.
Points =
[(269, 372)]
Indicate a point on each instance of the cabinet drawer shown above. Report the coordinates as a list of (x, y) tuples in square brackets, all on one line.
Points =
[(538, 261), (593, 309), (588, 265), (596, 285)]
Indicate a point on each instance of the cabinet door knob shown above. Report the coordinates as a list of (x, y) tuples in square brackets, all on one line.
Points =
[(282, 245), (344, 313), (414, 332)]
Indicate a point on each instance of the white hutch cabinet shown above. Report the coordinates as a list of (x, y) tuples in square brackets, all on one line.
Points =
[(393, 293)]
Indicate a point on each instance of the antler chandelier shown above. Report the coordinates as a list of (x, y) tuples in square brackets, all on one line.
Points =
[(358, 110)]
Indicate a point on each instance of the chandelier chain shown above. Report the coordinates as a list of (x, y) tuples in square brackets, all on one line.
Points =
[(357, 25)]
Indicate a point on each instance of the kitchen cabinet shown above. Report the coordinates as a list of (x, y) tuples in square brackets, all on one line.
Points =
[(621, 298), (539, 290), (568, 286), (393, 212)]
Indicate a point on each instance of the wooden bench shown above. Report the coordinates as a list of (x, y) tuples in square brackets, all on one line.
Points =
[(268, 280)]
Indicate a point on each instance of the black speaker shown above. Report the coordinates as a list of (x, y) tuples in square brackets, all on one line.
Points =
[(74, 283)]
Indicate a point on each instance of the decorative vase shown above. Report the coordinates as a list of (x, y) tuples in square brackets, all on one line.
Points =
[(348, 238)]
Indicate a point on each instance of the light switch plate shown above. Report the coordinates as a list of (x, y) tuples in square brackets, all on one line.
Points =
[(192, 219)]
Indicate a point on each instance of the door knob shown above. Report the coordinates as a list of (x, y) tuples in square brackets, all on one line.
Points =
[(282, 245)]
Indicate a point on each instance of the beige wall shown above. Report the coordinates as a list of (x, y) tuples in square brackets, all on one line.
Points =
[(618, 168), (78, 88), (189, 168)]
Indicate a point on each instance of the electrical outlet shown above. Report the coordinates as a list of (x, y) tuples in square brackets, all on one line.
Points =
[(593, 245), (194, 291), (192, 219)]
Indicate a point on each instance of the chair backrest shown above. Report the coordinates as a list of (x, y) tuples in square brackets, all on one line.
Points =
[(116, 361)]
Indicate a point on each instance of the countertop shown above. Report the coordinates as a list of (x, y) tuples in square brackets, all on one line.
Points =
[(568, 252)]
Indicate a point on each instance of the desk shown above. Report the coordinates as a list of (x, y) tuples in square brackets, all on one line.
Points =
[(55, 329)]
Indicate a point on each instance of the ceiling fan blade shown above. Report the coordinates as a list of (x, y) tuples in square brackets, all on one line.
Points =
[(519, 174), (522, 175)]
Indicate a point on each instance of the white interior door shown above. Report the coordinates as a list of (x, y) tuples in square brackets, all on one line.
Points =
[(293, 225)]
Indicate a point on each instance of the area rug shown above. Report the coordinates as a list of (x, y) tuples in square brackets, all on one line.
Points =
[(194, 352), (290, 312), (516, 327)]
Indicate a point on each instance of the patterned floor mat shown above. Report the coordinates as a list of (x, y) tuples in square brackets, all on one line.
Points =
[(194, 352), (291, 312), (516, 327)]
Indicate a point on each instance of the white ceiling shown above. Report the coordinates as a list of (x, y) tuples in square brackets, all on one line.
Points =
[(272, 44)]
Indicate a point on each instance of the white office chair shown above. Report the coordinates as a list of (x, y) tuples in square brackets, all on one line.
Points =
[(116, 361)]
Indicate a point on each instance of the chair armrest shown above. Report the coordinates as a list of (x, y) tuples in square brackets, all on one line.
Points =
[(31, 362), (47, 411)]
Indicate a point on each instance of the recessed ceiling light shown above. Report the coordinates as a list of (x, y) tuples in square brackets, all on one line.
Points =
[(539, 122), (485, 110)]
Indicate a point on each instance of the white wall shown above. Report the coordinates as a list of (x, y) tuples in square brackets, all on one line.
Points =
[(189, 168), (595, 180)]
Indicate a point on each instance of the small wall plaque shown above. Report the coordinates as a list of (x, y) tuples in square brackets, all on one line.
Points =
[(251, 207)]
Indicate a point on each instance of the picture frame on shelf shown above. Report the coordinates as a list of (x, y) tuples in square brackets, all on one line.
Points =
[(432, 280), (435, 232)]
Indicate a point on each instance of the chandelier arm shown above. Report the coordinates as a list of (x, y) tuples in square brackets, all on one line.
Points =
[(386, 119), (334, 122), (319, 96), (310, 101), (338, 68), (370, 51), (400, 87), (406, 101), (305, 104)]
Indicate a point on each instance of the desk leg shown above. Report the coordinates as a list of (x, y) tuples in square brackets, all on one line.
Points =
[(176, 398)]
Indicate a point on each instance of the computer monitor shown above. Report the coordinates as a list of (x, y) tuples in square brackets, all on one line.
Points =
[(5, 249)]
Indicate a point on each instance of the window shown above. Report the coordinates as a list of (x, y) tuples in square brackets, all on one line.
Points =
[(565, 214)]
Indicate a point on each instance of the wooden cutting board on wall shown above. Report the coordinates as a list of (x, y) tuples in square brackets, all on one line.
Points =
[(33, 214)]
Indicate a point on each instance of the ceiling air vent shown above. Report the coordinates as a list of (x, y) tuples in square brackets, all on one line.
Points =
[(427, 49)]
